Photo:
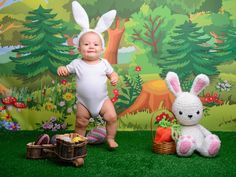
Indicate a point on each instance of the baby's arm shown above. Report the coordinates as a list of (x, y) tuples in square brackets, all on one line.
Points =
[(113, 78), (62, 71)]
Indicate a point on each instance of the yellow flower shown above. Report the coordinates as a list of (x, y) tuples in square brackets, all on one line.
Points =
[(49, 106), (68, 96), (7, 117)]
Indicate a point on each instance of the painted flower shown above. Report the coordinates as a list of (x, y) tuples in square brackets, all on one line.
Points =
[(49, 106), (62, 103), (7, 117), (211, 99), (224, 86), (138, 69), (114, 99), (63, 82), (13, 126), (116, 92), (57, 126), (69, 110), (63, 126), (91, 119), (68, 96), (53, 119), (47, 126)]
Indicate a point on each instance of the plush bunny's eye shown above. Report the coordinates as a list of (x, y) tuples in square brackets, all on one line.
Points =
[(180, 112), (198, 112)]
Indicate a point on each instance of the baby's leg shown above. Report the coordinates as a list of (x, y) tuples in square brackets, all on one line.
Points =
[(109, 115), (82, 119)]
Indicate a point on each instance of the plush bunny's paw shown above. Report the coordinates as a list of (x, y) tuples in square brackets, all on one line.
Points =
[(213, 144), (186, 145)]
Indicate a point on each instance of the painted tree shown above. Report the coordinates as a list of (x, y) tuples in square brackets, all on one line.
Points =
[(10, 32), (212, 6), (226, 49), (43, 50), (96, 8), (148, 29), (186, 7), (189, 54)]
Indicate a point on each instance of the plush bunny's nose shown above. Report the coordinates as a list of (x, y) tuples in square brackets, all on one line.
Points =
[(190, 116)]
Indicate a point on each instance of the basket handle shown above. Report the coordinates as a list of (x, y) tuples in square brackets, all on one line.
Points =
[(175, 130), (151, 125)]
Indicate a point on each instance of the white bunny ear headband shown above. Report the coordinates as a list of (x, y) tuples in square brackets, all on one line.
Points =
[(199, 83), (82, 19)]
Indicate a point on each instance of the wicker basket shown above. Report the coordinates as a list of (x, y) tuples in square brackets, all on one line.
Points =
[(68, 151), (162, 147), (37, 151)]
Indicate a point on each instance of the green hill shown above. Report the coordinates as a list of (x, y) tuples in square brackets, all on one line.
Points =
[(6, 69), (20, 9)]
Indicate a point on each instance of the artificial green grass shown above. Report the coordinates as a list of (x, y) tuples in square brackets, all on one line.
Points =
[(133, 158)]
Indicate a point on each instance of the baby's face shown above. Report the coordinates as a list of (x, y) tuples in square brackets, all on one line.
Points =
[(90, 46)]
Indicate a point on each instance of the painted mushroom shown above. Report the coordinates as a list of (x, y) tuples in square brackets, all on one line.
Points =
[(19, 105), (2, 108), (9, 100)]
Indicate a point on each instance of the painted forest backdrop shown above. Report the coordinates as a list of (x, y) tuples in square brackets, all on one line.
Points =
[(147, 39)]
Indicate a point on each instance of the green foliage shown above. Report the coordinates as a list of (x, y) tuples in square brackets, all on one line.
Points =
[(188, 53), (216, 119), (212, 6), (184, 6), (42, 50), (130, 91), (10, 31), (225, 50), (148, 30)]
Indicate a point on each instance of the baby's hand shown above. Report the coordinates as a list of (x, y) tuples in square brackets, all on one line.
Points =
[(62, 71), (114, 78)]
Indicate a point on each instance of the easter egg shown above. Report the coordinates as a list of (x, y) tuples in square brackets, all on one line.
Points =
[(53, 139), (97, 135), (77, 139), (42, 139)]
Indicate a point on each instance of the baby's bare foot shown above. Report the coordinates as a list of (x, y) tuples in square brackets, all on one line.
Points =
[(112, 144)]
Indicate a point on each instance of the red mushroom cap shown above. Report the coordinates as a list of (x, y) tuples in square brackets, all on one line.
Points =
[(9, 100), (2, 108), (19, 105)]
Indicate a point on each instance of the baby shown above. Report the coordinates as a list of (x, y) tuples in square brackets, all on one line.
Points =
[(91, 76)]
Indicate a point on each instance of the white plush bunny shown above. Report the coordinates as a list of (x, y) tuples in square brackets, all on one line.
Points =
[(188, 110), (82, 19)]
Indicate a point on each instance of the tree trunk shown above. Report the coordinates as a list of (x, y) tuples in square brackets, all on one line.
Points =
[(3, 90), (70, 42), (114, 37), (153, 94)]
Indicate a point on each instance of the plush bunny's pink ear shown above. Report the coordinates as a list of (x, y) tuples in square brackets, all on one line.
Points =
[(199, 83), (173, 83)]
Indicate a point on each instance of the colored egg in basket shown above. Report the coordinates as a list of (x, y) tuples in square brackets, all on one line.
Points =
[(97, 135)]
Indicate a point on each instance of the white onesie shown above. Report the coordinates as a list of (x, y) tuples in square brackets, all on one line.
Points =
[(91, 83)]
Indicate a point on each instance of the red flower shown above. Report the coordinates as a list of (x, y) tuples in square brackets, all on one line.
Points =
[(158, 118), (165, 116), (138, 68), (114, 99), (116, 92), (208, 94), (63, 82), (215, 94)]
